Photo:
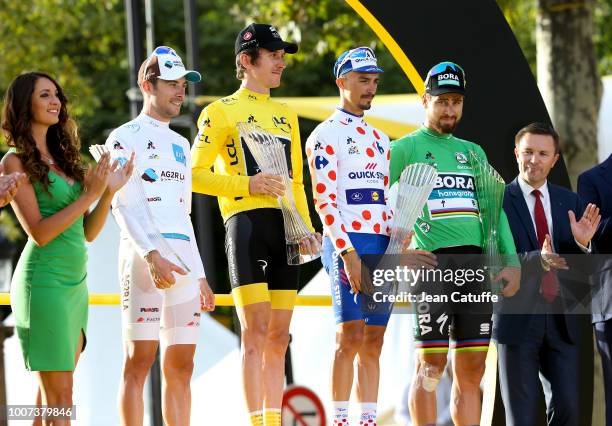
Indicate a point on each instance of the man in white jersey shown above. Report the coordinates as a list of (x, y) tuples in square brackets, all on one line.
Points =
[(161, 297), (349, 166)]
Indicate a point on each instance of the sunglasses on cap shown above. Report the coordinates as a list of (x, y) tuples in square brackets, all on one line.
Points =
[(354, 55)]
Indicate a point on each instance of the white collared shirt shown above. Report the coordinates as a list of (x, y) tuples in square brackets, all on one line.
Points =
[(530, 199)]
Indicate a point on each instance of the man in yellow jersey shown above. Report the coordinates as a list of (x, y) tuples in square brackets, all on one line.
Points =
[(263, 285)]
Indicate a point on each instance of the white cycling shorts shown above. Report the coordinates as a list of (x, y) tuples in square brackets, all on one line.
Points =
[(172, 315)]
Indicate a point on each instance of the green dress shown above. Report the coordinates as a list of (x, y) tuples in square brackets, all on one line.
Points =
[(49, 291)]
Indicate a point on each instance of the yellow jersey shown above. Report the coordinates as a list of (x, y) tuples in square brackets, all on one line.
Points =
[(219, 145)]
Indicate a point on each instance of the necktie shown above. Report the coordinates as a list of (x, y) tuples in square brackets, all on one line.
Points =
[(549, 287)]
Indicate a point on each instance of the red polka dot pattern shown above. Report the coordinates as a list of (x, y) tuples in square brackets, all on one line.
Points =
[(356, 225), (329, 219), (377, 228), (370, 152), (332, 175), (366, 214), (320, 188), (340, 243), (329, 150), (360, 131), (376, 135)]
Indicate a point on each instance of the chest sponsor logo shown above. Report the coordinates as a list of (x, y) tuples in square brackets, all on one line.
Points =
[(366, 174), (453, 196), (179, 154), (151, 175), (353, 150), (153, 199), (153, 157), (150, 145), (379, 147), (282, 123), (350, 141), (365, 196), (318, 146), (117, 145)]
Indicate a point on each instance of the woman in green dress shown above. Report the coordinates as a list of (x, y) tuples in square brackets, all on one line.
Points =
[(49, 292)]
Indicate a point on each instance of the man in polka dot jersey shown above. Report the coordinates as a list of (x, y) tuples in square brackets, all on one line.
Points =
[(349, 166)]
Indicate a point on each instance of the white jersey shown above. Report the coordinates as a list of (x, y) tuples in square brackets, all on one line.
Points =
[(163, 163), (349, 168)]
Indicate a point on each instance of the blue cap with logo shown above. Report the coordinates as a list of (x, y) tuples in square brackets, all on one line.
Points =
[(445, 77), (360, 59)]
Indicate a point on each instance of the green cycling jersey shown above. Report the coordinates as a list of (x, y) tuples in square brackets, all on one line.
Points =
[(450, 216)]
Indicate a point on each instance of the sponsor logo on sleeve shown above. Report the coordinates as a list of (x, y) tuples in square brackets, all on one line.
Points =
[(179, 154)]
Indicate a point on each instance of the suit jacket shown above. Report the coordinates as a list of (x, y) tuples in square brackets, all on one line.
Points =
[(595, 186), (516, 312)]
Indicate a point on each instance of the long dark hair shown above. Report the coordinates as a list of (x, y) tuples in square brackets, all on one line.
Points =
[(62, 138)]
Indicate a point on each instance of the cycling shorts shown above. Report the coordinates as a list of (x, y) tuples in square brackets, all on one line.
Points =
[(468, 324), (172, 315), (347, 305), (257, 259)]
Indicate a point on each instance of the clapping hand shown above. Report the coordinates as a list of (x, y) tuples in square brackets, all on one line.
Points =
[(119, 175)]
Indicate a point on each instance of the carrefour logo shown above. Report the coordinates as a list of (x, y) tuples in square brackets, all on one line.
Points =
[(321, 162)]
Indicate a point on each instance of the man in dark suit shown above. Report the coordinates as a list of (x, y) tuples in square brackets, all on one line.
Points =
[(595, 186), (533, 337)]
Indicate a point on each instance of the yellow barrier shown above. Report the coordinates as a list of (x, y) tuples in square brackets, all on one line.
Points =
[(220, 299)]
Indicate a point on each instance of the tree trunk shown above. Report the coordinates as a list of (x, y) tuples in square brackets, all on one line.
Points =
[(568, 78)]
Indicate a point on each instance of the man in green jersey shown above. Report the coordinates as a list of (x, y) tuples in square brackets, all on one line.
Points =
[(450, 225)]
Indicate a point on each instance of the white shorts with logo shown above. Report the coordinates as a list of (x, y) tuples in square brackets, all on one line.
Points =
[(171, 316)]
